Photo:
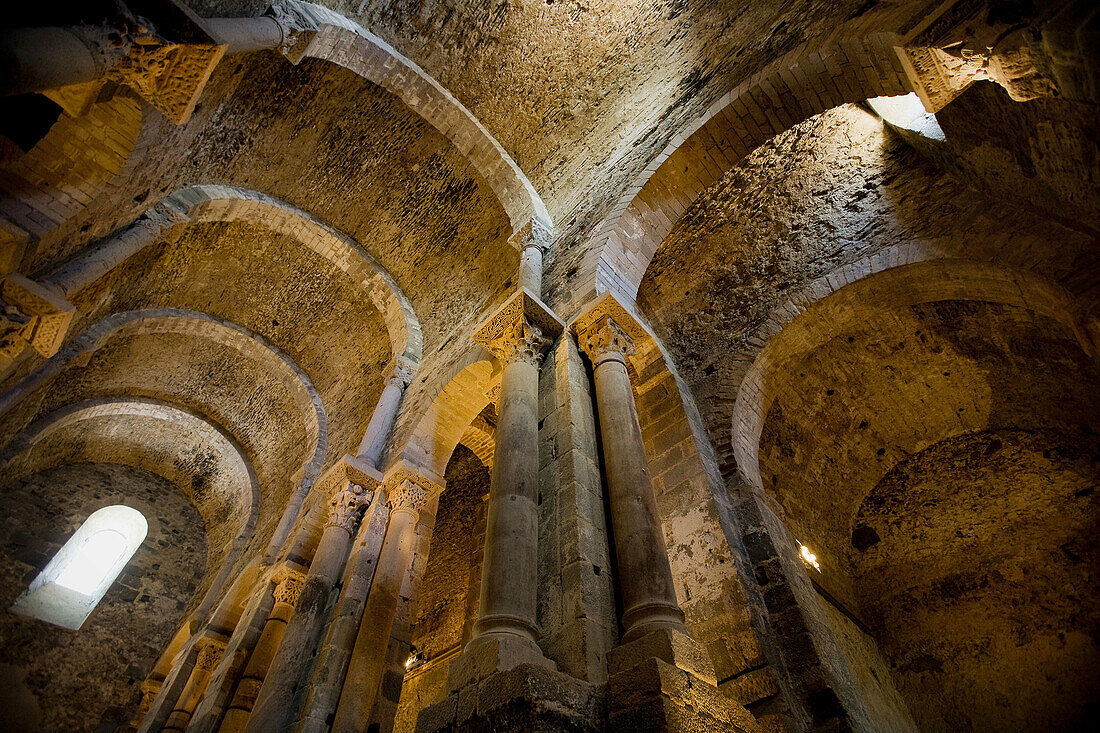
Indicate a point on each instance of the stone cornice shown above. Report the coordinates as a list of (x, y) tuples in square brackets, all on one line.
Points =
[(520, 329)]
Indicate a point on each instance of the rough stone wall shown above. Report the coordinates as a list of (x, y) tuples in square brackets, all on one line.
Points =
[(981, 580), (57, 679), (447, 602)]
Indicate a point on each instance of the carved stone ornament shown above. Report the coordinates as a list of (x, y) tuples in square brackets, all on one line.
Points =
[(347, 504), (31, 316), (402, 370), (160, 50), (298, 26), (521, 329), (606, 329), (605, 339), (210, 653), (348, 469), (408, 489), (966, 43), (289, 586), (535, 233)]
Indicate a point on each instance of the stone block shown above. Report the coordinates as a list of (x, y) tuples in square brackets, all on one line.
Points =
[(490, 654), (656, 696), (672, 647)]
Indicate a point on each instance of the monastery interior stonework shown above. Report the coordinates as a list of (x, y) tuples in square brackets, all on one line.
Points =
[(687, 366)]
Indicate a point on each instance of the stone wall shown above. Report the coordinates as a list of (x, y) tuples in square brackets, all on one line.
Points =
[(57, 679)]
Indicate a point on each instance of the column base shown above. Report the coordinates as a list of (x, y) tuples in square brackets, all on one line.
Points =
[(491, 653), (526, 697), (665, 681)]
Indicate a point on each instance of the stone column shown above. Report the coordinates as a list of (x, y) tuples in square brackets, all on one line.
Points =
[(645, 576), (532, 240), (407, 490), (210, 652), (385, 412), (506, 631), (275, 701), (658, 652), (286, 596)]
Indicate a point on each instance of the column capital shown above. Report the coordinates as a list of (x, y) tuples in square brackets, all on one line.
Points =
[(401, 369), (349, 470), (607, 330), (297, 25), (533, 233), (288, 585), (346, 504), (32, 316), (210, 653), (408, 488), (163, 51), (520, 330)]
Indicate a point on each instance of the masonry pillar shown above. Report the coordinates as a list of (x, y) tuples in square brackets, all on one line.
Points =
[(210, 652), (289, 586), (656, 643), (385, 412), (532, 240), (407, 490), (275, 702)]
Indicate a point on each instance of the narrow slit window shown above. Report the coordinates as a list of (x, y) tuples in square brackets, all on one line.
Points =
[(70, 587)]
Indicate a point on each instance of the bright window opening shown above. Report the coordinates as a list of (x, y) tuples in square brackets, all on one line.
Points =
[(70, 587), (908, 113)]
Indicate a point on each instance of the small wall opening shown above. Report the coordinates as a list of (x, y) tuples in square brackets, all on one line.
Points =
[(70, 587)]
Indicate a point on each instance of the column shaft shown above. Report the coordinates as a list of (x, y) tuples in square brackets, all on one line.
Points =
[(368, 658), (37, 59), (648, 593), (508, 580), (381, 421), (246, 34), (530, 270)]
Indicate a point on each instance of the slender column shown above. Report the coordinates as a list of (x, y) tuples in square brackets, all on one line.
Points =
[(275, 702), (286, 596), (385, 412), (645, 576), (532, 240), (210, 652), (407, 491)]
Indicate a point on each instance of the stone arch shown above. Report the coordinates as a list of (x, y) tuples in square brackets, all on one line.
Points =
[(235, 482), (216, 203), (893, 278), (200, 325), (343, 42), (448, 417), (57, 178), (798, 86)]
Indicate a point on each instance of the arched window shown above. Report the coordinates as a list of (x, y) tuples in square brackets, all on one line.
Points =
[(73, 583)]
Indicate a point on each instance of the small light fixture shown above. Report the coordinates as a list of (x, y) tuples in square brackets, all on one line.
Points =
[(415, 658), (808, 557)]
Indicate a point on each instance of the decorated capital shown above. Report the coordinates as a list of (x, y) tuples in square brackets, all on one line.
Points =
[(607, 331), (289, 587), (409, 488), (520, 330), (347, 504)]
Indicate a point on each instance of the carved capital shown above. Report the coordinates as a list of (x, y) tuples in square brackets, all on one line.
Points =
[(165, 54), (534, 233), (31, 316), (346, 505), (210, 653), (607, 330), (401, 371), (289, 586), (605, 339), (298, 26), (970, 41), (409, 489), (520, 330), (348, 470)]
